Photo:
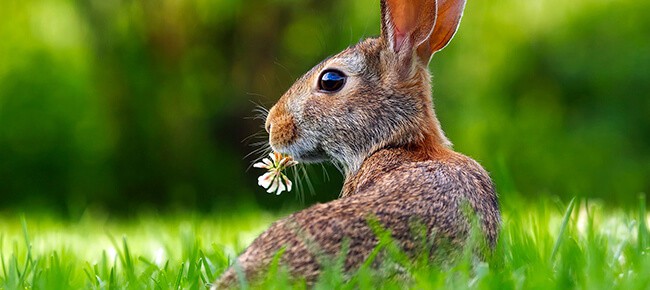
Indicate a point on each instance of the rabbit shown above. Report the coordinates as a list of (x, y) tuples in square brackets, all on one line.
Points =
[(369, 109)]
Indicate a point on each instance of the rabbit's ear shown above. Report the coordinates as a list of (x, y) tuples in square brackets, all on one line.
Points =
[(406, 24), (449, 13)]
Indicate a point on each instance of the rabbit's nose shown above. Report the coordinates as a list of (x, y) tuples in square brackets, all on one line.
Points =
[(267, 122)]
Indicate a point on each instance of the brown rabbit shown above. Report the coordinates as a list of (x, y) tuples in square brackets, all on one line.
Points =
[(369, 109)]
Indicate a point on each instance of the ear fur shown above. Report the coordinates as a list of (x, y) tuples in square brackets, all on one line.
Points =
[(407, 23), (448, 19), (425, 26)]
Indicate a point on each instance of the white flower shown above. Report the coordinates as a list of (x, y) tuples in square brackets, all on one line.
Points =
[(274, 180)]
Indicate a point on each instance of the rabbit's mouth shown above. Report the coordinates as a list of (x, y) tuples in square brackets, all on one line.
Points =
[(314, 156), (303, 152)]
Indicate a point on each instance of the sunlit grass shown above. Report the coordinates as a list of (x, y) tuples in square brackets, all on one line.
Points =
[(543, 245)]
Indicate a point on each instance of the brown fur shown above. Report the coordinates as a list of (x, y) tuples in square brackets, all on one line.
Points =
[(382, 129), (284, 130)]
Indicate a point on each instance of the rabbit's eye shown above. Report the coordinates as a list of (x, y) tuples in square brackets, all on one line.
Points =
[(331, 81)]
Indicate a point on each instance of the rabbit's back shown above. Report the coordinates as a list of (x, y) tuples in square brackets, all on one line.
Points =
[(400, 195)]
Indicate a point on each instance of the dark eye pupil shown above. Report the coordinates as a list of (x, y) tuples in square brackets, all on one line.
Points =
[(332, 81)]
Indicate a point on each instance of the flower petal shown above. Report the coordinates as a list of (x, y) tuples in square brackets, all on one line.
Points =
[(260, 165), (266, 179), (287, 182), (281, 187), (274, 185), (274, 156)]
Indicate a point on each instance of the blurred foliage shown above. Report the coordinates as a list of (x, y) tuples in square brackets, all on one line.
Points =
[(128, 104)]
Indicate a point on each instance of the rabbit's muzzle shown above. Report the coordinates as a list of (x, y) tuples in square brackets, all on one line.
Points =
[(281, 127)]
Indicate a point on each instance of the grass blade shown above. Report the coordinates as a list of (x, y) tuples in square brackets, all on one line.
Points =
[(206, 266), (565, 221), (28, 245), (129, 267), (112, 280), (93, 281), (179, 277)]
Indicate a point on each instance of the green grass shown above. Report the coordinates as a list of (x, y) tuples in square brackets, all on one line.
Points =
[(543, 245)]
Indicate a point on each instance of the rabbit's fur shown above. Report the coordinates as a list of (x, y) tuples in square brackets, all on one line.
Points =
[(382, 129)]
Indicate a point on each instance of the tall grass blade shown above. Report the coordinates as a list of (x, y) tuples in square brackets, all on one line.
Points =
[(274, 267), (112, 280), (28, 246), (565, 221), (117, 248), (92, 281), (127, 257), (241, 277), (16, 267), (177, 285), (206, 266)]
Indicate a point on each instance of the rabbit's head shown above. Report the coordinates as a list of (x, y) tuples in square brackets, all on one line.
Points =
[(373, 95)]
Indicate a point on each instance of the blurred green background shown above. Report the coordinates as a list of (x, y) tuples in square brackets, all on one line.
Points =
[(126, 106)]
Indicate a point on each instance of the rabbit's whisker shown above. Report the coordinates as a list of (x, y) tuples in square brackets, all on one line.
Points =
[(326, 175)]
